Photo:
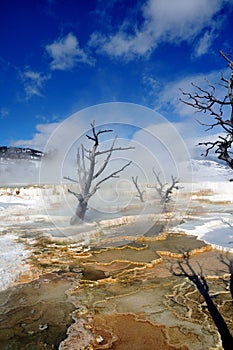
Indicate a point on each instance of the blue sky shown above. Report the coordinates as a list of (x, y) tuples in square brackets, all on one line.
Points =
[(60, 56)]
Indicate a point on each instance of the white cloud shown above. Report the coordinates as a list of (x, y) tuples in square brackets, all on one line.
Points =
[(66, 53), (158, 143), (4, 112), (179, 19), (166, 101), (162, 147), (204, 44), (166, 97), (163, 21), (206, 39), (40, 138), (33, 82), (121, 44)]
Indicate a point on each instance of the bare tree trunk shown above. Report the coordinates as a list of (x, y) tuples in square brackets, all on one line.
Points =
[(80, 212), (165, 190), (186, 270), (87, 173)]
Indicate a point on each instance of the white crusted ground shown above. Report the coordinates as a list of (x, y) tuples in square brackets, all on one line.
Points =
[(24, 210)]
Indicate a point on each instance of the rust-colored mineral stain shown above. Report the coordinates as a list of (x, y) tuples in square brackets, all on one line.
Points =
[(129, 333)]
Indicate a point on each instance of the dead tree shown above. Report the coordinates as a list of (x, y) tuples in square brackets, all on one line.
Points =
[(165, 190), (88, 174), (219, 108), (140, 193), (185, 269), (229, 263)]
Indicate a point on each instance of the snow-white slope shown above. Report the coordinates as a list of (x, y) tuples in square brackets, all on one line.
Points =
[(215, 230), (209, 170)]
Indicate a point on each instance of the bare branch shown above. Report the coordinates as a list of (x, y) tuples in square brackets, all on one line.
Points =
[(164, 190), (77, 195), (171, 188), (140, 193), (112, 175), (106, 160), (114, 149), (230, 62), (96, 134), (222, 147), (204, 101), (70, 179), (159, 188), (157, 176), (103, 131)]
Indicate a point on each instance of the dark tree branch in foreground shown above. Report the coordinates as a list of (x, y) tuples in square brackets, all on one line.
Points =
[(229, 263), (206, 101), (140, 193), (87, 172), (165, 190), (185, 269)]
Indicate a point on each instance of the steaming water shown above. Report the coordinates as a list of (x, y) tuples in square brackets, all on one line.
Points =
[(32, 211)]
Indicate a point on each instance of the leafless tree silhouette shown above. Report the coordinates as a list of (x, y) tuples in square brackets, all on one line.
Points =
[(185, 269), (140, 192), (165, 190), (219, 108), (88, 174), (229, 263)]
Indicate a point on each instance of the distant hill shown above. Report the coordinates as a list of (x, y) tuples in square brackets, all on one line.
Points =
[(209, 170), (20, 153)]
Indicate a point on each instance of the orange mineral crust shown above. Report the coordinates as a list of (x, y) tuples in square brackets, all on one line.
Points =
[(127, 332)]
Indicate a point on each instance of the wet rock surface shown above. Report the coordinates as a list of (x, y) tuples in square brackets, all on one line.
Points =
[(35, 315)]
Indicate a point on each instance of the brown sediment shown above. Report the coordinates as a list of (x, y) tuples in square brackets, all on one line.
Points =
[(211, 261), (113, 269), (151, 293), (148, 255), (186, 303), (49, 256), (181, 255), (36, 315), (176, 242), (124, 254), (214, 202), (126, 332), (204, 192), (119, 262)]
